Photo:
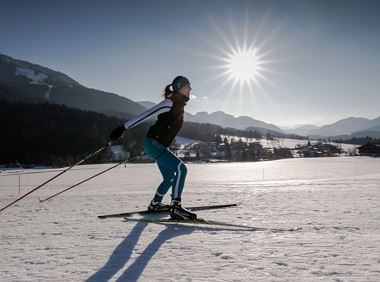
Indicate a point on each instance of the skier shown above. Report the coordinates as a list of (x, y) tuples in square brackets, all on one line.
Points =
[(170, 114)]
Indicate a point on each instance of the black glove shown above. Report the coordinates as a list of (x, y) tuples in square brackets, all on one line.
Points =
[(118, 132)]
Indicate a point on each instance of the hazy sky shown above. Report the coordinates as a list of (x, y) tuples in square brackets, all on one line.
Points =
[(320, 60)]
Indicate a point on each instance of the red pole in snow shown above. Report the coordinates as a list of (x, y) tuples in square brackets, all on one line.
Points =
[(62, 172), (87, 179)]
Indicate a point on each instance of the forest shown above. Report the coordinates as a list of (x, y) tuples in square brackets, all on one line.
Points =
[(56, 135)]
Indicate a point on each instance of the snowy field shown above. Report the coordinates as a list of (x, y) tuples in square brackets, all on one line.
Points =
[(336, 201)]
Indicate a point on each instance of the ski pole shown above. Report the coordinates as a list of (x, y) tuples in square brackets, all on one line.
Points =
[(62, 172), (87, 179)]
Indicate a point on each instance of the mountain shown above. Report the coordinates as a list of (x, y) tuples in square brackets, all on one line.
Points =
[(24, 81), (225, 120), (28, 82), (32, 83), (375, 128), (302, 130), (146, 104), (345, 126), (371, 132)]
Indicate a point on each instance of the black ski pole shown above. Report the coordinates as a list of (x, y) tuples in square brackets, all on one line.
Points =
[(87, 179), (62, 172)]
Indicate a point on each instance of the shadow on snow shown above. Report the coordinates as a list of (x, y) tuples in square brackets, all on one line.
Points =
[(123, 252)]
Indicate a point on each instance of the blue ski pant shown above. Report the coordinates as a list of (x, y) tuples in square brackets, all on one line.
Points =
[(173, 170)]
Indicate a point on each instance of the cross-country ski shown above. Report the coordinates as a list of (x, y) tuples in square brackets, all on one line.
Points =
[(166, 209)]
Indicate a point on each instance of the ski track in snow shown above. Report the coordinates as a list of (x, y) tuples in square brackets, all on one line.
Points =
[(334, 200)]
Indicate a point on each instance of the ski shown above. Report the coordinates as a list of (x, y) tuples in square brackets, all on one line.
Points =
[(166, 210), (202, 221)]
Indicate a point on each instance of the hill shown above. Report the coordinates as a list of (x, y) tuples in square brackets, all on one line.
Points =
[(24, 81)]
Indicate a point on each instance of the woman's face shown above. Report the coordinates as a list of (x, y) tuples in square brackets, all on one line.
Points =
[(185, 90)]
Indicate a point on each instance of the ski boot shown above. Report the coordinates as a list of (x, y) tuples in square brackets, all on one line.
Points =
[(157, 206), (178, 212)]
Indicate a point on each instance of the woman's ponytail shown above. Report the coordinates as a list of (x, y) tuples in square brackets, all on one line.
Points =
[(167, 92)]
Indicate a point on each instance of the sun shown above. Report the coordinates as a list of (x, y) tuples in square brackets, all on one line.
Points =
[(243, 65), (241, 57)]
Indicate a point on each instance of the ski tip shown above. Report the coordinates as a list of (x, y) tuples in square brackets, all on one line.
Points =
[(41, 200), (237, 204)]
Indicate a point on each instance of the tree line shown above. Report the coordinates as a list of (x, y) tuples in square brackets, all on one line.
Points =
[(359, 140), (50, 134), (56, 135), (210, 132)]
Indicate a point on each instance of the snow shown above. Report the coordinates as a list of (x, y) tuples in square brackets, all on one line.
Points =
[(334, 200), (47, 94), (35, 78), (31, 74)]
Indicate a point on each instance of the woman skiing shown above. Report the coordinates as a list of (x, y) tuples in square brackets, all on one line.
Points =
[(170, 113)]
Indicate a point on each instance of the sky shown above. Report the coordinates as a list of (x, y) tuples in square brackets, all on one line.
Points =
[(309, 62)]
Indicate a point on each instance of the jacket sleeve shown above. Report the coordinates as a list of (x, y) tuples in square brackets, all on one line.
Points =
[(162, 107)]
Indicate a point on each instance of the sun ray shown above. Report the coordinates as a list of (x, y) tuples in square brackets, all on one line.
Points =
[(223, 36), (244, 55)]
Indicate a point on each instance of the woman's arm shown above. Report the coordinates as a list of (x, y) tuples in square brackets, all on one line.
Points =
[(162, 107)]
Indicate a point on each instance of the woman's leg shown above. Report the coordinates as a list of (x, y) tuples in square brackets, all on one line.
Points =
[(173, 166), (171, 163), (168, 177), (174, 173), (173, 170)]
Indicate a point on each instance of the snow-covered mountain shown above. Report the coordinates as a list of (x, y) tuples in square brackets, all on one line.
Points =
[(24, 81)]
